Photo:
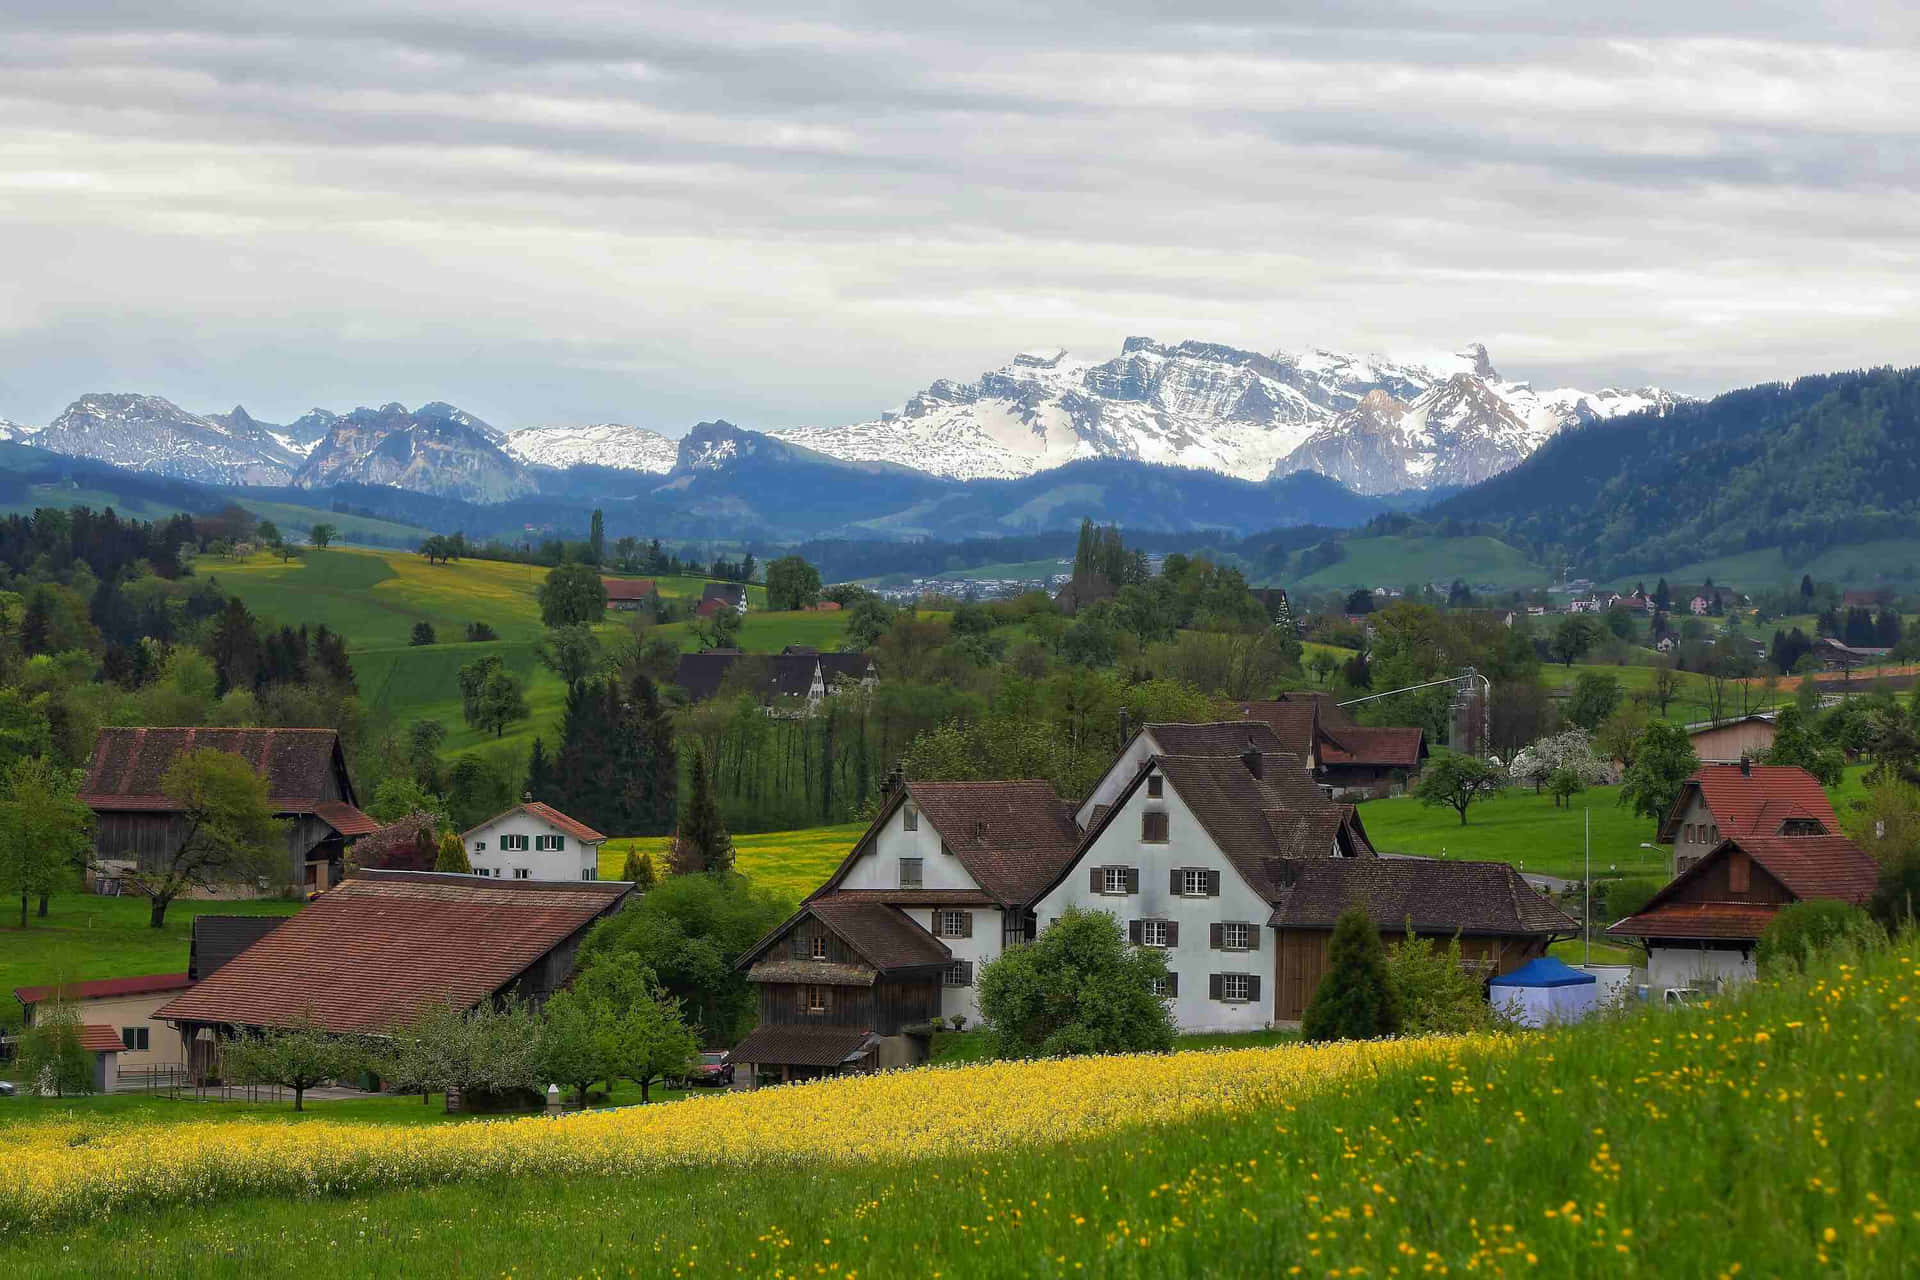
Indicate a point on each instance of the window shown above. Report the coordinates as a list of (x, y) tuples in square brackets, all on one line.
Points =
[(1713, 834), (816, 999), (1153, 933), (1156, 786), (1197, 882), (134, 1037), (1153, 827), (1803, 827), (910, 818), (521, 873), (817, 947), (479, 846), (1166, 987), (550, 843), (910, 873), (1236, 986), (590, 873), (1739, 877), (953, 924), (958, 974), (1236, 937), (1114, 880), (513, 844)]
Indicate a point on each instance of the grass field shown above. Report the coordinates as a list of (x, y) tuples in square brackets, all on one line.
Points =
[(1396, 561), (85, 936), (790, 863), (1887, 562), (1519, 827), (1771, 1134)]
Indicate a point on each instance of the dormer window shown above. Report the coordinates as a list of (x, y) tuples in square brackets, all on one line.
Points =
[(979, 828), (1803, 827)]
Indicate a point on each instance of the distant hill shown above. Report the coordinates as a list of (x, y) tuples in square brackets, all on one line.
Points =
[(1804, 467)]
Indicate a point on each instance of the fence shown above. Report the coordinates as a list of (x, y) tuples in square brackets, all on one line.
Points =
[(176, 1083)]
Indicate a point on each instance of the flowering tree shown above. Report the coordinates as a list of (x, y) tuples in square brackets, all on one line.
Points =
[(1572, 751)]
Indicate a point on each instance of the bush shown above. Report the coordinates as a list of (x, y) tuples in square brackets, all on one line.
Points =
[(478, 631), (1077, 988), (1630, 896), (1802, 930), (422, 633), (1356, 999), (1434, 991)]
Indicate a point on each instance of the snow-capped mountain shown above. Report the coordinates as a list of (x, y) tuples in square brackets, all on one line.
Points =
[(435, 449), (16, 432), (1216, 407), (152, 434), (604, 444), (297, 438)]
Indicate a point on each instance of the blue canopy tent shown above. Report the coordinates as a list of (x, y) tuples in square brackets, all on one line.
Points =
[(1544, 991)]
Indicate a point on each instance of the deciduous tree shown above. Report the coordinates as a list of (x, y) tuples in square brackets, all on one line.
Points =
[(491, 697), (228, 831), (1455, 780), (572, 593), (1076, 989), (299, 1057), (1663, 760)]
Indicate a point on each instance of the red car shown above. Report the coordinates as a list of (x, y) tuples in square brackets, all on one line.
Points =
[(712, 1071)]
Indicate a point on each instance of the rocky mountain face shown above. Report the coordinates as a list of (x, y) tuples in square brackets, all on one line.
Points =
[(16, 433), (435, 449), (604, 444), (1224, 409), (148, 433)]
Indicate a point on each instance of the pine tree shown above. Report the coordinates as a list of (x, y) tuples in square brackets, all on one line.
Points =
[(1356, 999), (539, 772), (453, 855), (639, 870), (597, 537), (702, 843)]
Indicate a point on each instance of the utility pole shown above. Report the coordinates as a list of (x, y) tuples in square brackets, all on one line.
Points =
[(1586, 915)]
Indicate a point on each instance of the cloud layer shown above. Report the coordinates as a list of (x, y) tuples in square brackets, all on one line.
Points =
[(655, 214)]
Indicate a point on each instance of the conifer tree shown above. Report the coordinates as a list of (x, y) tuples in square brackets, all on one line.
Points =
[(539, 772), (453, 855), (1355, 1000), (702, 843), (639, 870)]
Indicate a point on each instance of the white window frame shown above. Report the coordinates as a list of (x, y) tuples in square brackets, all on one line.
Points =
[(513, 844), (479, 846), (817, 947), (919, 879), (1153, 933), (522, 873), (1242, 981), (1161, 986), (953, 924), (1193, 882), (1113, 880), (950, 976), (1228, 932), (815, 997)]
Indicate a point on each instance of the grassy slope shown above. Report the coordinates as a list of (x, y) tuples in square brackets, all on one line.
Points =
[(1773, 1135), (790, 863), (1396, 561), (85, 936), (1888, 562)]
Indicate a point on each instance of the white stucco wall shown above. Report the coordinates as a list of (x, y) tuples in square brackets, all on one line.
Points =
[(1117, 776), (879, 867), (983, 946), (567, 863), (1188, 845), (1686, 966)]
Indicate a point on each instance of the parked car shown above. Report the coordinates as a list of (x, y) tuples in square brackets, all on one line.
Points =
[(6, 1089), (712, 1071)]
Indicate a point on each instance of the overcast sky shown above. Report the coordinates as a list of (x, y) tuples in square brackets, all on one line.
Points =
[(565, 212)]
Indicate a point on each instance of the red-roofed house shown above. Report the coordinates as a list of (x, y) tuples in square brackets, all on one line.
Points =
[(534, 841), (307, 783), (1700, 930), (125, 1005), (1354, 760), (1734, 801), (629, 594)]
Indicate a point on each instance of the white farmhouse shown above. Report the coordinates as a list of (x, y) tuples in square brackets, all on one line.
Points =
[(534, 841)]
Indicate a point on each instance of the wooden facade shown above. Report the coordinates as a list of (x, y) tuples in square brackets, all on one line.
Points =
[(1300, 961), (887, 1008), (1732, 877)]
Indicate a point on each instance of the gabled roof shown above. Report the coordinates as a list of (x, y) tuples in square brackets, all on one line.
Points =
[(1684, 920), (1233, 806), (1808, 867), (880, 934), (801, 1046), (373, 952), (630, 588), (544, 813), (1219, 738), (787, 674), (1752, 800), (1816, 866), (218, 939), (95, 1038), (1378, 745), (1294, 720), (346, 819), (129, 763), (104, 988), (730, 592), (1437, 895)]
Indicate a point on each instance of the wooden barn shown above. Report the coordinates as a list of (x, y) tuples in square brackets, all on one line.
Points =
[(307, 782)]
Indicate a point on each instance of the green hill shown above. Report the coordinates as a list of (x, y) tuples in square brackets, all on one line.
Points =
[(1396, 560)]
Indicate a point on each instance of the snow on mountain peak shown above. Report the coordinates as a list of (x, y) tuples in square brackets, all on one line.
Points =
[(602, 444)]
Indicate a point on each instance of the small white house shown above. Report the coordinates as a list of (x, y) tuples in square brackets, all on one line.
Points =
[(534, 841)]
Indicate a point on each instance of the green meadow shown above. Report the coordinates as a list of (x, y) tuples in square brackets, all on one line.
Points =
[(789, 863), (86, 936), (1397, 560)]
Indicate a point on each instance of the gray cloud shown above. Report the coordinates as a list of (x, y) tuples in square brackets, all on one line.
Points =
[(658, 213)]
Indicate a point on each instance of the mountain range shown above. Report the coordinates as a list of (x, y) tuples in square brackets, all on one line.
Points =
[(1376, 426)]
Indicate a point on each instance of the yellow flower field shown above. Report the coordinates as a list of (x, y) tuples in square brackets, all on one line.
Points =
[(60, 1171)]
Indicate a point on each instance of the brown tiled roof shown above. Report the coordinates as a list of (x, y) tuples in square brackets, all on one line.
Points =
[(547, 814), (1232, 805), (96, 1038), (1304, 719), (1013, 838), (218, 939), (374, 951), (729, 592), (1294, 722), (345, 819), (1816, 866), (1386, 747), (1753, 802), (919, 897), (886, 937), (630, 588), (800, 1046), (1220, 738), (101, 988), (1438, 895), (1729, 920), (129, 763)]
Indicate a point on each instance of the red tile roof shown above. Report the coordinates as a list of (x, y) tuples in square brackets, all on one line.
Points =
[(1753, 802), (1816, 866), (1437, 895), (95, 1038), (101, 988), (630, 588), (547, 814), (1731, 920), (129, 763), (345, 819), (1375, 745), (373, 952)]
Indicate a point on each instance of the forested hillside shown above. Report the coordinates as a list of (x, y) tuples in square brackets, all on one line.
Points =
[(1802, 466)]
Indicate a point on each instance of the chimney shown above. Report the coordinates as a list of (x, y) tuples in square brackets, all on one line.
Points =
[(1124, 727), (1746, 766), (526, 797), (1252, 759)]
